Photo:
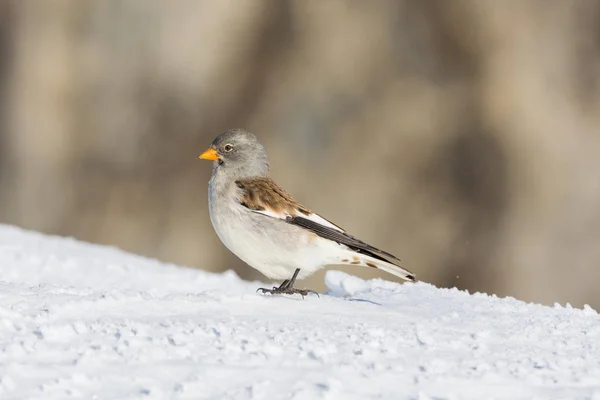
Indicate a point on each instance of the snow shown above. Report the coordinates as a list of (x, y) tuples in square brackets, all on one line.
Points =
[(91, 322)]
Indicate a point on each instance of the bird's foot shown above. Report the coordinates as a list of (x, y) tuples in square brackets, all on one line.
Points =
[(287, 290), (287, 287)]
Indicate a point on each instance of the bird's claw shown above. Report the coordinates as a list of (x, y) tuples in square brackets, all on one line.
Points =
[(277, 290)]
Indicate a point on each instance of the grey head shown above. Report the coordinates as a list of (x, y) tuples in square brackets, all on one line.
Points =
[(239, 154)]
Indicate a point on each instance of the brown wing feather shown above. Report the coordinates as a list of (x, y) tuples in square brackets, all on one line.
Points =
[(261, 194)]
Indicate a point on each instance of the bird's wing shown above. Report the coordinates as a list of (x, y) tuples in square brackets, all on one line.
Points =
[(264, 196)]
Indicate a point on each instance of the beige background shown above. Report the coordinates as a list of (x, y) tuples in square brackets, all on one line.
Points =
[(463, 136)]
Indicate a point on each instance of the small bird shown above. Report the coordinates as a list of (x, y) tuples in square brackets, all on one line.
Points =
[(267, 229)]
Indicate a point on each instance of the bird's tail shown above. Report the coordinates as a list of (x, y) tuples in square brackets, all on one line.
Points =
[(353, 258)]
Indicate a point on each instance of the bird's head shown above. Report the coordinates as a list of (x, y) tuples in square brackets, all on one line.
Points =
[(238, 152)]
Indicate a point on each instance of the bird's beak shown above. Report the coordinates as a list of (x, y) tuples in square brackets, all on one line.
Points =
[(210, 154)]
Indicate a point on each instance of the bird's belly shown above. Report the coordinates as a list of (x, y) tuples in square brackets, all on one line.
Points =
[(272, 247)]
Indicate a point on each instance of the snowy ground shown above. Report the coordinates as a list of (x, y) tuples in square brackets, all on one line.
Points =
[(84, 321)]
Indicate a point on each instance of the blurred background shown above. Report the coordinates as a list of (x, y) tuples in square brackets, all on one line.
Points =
[(462, 136)]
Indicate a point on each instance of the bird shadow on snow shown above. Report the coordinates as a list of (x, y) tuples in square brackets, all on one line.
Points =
[(361, 300), (345, 296)]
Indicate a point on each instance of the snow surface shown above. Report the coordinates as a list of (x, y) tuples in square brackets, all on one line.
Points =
[(91, 322)]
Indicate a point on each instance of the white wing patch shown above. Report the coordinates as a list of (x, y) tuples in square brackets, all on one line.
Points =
[(312, 216), (271, 213), (320, 220)]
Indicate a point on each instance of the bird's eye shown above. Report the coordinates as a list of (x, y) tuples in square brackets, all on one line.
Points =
[(228, 148)]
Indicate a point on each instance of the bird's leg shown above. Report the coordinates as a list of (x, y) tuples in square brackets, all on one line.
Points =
[(287, 287), (284, 285), (293, 280)]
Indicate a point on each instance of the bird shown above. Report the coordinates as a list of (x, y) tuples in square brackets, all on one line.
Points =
[(266, 228)]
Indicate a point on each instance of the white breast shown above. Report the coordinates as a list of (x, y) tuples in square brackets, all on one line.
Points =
[(273, 247)]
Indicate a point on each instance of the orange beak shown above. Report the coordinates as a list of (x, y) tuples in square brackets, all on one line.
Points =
[(210, 154)]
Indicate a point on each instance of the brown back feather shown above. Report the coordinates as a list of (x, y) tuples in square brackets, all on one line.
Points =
[(263, 193)]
